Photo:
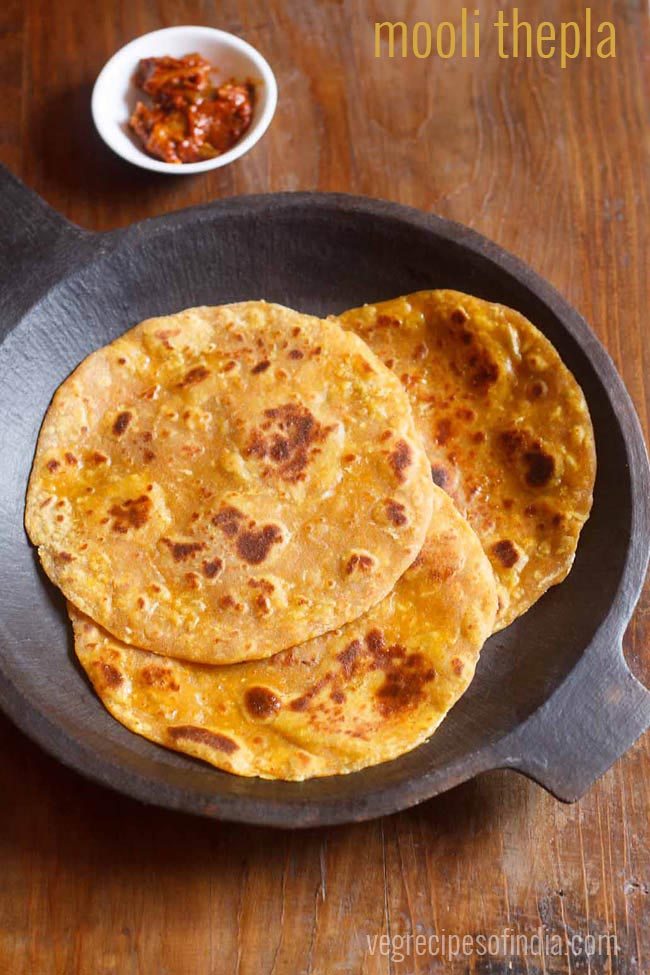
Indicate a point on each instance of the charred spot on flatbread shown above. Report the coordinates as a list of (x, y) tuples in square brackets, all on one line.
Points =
[(522, 448), (261, 702), (506, 553), (212, 567), (254, 544), (401, 458), (439, 475), (229, 520), (201, 736), (121, 422), (286, 440), (194, 376), (182, 551), (359, 562), (131, 513), (158, 676), (396, 513), (109, 675)]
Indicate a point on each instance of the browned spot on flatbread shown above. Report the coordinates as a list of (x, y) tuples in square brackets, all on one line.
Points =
[(387, 321), (375, 641), (52, 465), (484, 370), (506, 553), (396, 512), (132, 513), (406, 676), (264, 584), (195, 375), (459, 316), (229, 520), (70, 459), (401, 458), (64, 557), (110, 674), (160, 677), (457, 666), (443, 431), (165, 334), (203, 737), (253, 545), (465, 413), (348, 657), (262, 603), (536, 389), (98, 458), (212, 568), (287, 439), (122, 421), (261, 702), (540, 467), (442, 570), (260, 367), (512, 442), (439, 475), (302, 703), (296, 354), (359, 562), (182, 551)]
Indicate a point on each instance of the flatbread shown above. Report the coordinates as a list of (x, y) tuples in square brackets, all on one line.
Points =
[(223, 483), (364, 694), (505, 424)]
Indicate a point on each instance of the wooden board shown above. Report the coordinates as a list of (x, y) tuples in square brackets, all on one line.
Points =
[(553, 165)]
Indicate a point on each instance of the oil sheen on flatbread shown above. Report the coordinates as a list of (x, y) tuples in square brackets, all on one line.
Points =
[(505, 424), (363, 694), (223, 483)]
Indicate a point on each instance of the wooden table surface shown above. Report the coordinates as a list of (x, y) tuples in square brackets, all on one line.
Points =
[(554, 165)]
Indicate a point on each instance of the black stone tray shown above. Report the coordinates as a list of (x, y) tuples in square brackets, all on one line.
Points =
[(553, 696)]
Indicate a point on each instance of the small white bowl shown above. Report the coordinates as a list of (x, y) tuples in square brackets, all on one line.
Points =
[(114, 95)]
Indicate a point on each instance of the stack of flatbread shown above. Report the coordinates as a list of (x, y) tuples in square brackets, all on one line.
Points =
[(284, 540)]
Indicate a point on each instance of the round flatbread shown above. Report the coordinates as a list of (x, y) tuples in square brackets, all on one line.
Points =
[(223, 483), (505, 424), (363, 694)]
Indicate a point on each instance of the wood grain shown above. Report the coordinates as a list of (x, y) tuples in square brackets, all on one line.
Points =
[(552, 164)]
